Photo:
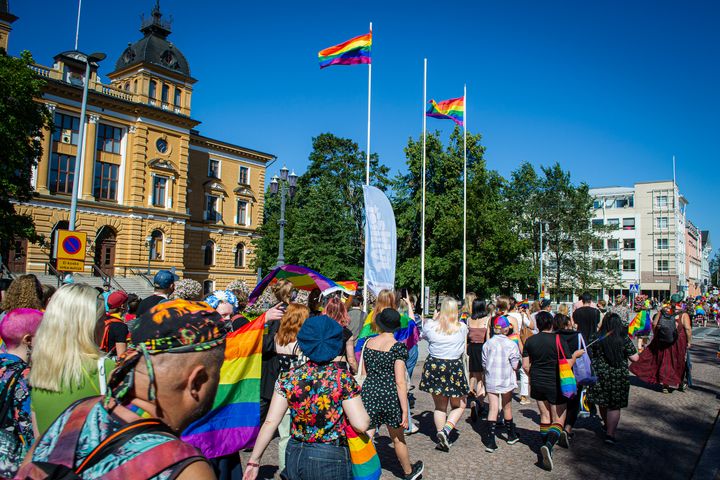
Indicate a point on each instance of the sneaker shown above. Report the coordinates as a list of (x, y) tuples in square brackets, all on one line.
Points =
[(491, 444), (417, 471), (546, 458), (413, 429), (512, 437), (443, 441), (473, 411), (524, 400), (610, 439), (564, 440)]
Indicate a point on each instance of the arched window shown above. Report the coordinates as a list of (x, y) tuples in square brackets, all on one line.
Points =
[(240, 255), (209, 253), (156, 245), (152, 93)]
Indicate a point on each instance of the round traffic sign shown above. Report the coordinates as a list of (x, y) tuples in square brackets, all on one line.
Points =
[(71, 245)]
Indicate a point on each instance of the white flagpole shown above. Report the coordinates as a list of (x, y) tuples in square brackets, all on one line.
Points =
[(464, 191), (77, 25), (367, 164), (422, 245)]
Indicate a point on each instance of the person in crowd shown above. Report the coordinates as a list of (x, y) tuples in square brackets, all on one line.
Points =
[(546, 306), (410, 336), (621, 308), (111, 331), (443, 373), (187, 289), (567, 330), (133, 303), (17, 330), (466, 310), (67, 364), (610, 363), (663, 362), (384, 392), (587, 317), (289, 357), (540, 361), (47, 292), (564, 309), (315, 302), (174, 358), (317, 449), (385, 299), (501, 358), (517, 314), (602, 306), (335, 309), (478, 325), (357, 316), (24, 292), (225, 303), (164, 284)]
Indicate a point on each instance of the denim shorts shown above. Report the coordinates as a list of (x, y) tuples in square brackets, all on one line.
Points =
[(317, 461)]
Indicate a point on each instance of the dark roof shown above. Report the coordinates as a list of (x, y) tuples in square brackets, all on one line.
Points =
[(154, 48)]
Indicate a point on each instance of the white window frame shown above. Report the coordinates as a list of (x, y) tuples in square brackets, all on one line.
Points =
[(248, 174), (219, 169), (247, 212), (664, 203), (666, 242), (634, 264), (660, 223), (666, 265), (165, 203), (218, 208)]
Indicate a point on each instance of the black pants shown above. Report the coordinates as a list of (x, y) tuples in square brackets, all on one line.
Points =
[(573, 409), (227, 467)]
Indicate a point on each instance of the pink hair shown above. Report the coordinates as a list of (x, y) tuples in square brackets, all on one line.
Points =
[(18, 323), (336, 310)]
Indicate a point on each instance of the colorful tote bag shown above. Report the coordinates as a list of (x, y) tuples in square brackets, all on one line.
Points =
[(568, 386), (364, 457)]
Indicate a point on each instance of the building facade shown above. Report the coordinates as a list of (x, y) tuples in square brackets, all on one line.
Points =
[(153, 192), (706, 246), (693, 259)]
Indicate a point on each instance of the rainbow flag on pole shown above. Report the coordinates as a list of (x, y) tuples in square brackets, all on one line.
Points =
[(234, 422), (355, 51), (453, 109), (640, 325)]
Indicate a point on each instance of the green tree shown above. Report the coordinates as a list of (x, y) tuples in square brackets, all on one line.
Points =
[(21, 128)]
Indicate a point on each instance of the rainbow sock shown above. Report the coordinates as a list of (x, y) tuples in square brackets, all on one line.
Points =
[(554, 434), (544, 431), (449, 426)]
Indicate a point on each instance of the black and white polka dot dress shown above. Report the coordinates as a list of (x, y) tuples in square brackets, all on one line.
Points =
[(379, 391)]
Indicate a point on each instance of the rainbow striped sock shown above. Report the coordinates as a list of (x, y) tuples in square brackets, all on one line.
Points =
[(554, 434), (544, 431), (449, 426)]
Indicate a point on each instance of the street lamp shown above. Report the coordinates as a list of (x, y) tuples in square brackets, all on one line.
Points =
[(285, 183), (93, 58), (148, 243)]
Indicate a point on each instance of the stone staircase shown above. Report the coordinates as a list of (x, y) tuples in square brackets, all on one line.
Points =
[(132, 284)]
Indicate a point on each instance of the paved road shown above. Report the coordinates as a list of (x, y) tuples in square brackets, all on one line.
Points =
[(661, 436)]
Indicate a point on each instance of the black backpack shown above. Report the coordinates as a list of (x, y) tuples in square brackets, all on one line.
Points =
[(666, 331)]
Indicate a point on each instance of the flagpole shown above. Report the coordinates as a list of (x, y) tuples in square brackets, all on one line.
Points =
[(367, 165), (422, 245), (465, 191), (77, 25)]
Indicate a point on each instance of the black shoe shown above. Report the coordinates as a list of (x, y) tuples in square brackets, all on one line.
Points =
[(564, 440), (512, 437), (442, 441), (491, 444), (610, 439), (547, 459), (417, 471), (473, 411)]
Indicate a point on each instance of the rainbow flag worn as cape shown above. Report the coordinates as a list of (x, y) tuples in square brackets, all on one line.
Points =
[(408, 333), (453, 109), (640, 325), (355, 51), (234, 421)]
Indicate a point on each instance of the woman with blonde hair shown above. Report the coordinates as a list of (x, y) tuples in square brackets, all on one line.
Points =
[(66, 362), (444, 374), (467, 307), (385, 299)]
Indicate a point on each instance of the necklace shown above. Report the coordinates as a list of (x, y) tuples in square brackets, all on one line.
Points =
[(138, 411)]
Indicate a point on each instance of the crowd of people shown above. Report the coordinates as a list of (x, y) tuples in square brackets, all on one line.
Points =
[(96, 382)]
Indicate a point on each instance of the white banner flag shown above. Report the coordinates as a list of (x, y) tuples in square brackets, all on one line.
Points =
[(380, 241)]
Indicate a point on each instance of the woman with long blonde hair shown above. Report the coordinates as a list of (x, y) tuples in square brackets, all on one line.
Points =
[(385, 299), (67, 364), (466, 310), (444, 374)]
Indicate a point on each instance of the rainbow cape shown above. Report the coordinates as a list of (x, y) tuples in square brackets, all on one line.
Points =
[(302, 278), (234, 421), (408, 333), (453, 109), (355, 51), (640, 325)]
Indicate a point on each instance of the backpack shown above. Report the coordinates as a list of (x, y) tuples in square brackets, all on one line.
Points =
[(12, 448), (152, 462), (666, 331)]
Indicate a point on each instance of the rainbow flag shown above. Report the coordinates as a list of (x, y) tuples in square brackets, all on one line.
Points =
[(302, 278), (408, 333), (234, 422), (453, 109), (355, 51), (640, 325), (365, 461)]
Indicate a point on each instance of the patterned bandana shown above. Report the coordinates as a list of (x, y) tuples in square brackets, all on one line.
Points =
[(175, 326)]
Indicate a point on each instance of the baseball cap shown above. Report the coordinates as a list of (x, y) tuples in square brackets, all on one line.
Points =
[(117, 299), (164, 278), (545, 303), (502, 322)]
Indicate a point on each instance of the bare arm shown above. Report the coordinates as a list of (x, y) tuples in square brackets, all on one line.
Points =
[(350, 355), (526, 364), (278, 407), (356, 413), (120, 348), (688, 328), (401, 382)]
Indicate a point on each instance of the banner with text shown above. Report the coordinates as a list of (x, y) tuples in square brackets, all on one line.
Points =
[(380, 241)]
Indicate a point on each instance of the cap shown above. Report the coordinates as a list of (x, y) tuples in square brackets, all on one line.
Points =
[(117, 299), (164, 278), (320, 338), (502, 322), (545, 303)]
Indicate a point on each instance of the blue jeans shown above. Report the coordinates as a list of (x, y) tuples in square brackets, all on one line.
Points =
[(412, 360), (317, 461)]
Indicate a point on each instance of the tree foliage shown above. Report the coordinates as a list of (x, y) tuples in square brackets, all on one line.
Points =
[(21, 128)]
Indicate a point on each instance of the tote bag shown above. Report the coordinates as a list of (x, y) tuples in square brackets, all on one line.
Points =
[(364, 457), (583, 367), (568, 386)]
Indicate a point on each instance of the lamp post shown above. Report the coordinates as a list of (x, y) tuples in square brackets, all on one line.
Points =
[(285, 184), (92, 58), (148, 242)]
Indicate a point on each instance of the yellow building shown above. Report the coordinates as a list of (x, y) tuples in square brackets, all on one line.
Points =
[(153, 193)]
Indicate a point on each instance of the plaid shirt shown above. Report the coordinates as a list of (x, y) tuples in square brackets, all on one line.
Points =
[(501, 359)]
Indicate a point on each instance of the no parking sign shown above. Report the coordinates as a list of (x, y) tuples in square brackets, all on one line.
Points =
[(70, 250)]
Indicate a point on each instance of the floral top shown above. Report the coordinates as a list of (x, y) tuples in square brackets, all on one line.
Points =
[(18, 421), (315, 394)]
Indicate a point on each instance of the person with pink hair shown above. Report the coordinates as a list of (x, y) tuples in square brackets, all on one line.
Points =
[(336, 309)]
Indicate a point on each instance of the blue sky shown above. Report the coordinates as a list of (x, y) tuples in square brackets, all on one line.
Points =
[(611, 90)]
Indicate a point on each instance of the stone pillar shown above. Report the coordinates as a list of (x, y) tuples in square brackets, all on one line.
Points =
[(43, 166)]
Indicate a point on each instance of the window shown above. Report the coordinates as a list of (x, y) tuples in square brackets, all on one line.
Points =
[(628, 224), (134, 86), (597, 204), (597, 222), (629, 244), (613, 264), (631, 201), (663, 265), (613, 244), (67, 129), (159, 191), (628, 265), (662, 201), (621, 203), (240, 255), (598, 245), (613, 222), (662, 222), (108, 138), (165, 93), (209, 257), (213, 168), (62, 172), (211, 208), (663, 243), (178, 97), (242, 213), (106, 181), (244, 178), (597, 265), (208, 287), (152, 92), (156, 245)]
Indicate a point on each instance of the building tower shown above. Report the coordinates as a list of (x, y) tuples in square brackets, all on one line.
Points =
[(6, 21)]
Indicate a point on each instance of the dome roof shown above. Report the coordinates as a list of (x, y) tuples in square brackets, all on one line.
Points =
[(154, 48)]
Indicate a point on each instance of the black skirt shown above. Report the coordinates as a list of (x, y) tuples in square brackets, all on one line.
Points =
[(475, 357), (444, 377)]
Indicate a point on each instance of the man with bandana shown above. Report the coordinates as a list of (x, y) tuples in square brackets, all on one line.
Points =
[(166, 380)]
